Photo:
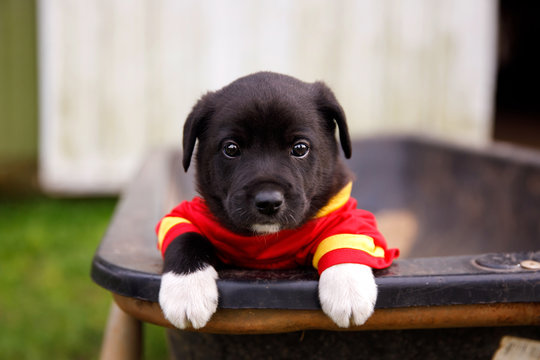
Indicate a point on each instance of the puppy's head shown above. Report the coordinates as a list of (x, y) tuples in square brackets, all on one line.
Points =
[(267, 157)]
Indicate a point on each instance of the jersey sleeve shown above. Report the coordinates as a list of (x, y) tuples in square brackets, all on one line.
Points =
[(174, 224), (353, 238)]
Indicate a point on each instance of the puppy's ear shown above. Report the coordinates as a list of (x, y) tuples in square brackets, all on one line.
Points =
[(328, 105), (195, 125)]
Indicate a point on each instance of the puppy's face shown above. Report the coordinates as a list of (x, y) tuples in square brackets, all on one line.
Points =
[(267, 158)]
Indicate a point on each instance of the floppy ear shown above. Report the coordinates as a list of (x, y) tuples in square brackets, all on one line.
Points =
[(195, 125), (328, 105)]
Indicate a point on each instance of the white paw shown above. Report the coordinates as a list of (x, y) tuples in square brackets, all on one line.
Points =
[(191, 298), (348, 292)]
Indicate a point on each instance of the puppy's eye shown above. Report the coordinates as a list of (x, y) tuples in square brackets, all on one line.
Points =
[(300, 149), (231, 149)]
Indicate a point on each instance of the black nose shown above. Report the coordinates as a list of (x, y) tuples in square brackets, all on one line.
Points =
[(268, 202)]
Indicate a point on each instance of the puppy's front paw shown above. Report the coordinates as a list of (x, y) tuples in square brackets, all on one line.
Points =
[(189, 298), (348, 292)]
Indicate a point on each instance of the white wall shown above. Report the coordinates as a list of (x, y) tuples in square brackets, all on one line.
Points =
[(118, 77)]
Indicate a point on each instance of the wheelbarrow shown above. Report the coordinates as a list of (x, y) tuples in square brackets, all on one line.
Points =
[(467, 221)]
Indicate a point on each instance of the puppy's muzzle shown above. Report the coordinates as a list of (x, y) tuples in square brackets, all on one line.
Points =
[(268, 202)]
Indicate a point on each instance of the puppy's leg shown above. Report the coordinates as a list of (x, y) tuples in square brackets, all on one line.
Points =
[(348, 292), (188, 292)]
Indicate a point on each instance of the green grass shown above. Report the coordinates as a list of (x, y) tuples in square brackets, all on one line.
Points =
[(49, 307)]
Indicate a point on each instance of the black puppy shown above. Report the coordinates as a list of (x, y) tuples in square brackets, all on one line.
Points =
[(274, 190)]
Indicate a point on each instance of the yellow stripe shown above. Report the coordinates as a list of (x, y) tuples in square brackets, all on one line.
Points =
[(166, 224), (337, 201), (347, 241)]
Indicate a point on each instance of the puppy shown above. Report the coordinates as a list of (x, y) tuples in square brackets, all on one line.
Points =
[(274, 195)]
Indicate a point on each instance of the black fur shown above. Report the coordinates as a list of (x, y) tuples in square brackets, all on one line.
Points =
[(265, 115), (188, 253)]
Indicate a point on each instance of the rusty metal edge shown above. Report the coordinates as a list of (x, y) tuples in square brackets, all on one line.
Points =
[(268, 321)]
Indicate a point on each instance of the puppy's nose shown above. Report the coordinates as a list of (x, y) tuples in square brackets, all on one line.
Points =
[(268, 202)]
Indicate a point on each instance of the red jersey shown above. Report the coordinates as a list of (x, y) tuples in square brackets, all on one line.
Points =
[(339, 233)]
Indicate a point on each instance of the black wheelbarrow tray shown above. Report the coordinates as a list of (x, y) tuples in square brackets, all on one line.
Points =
[(467, 221)]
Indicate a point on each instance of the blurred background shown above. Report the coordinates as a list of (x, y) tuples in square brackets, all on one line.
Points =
[(87, 88)]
